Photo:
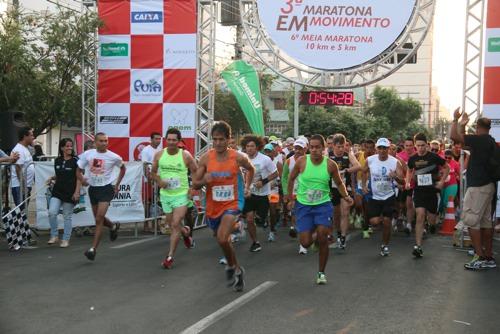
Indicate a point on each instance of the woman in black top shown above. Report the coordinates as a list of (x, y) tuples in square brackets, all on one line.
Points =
[(65, 193)]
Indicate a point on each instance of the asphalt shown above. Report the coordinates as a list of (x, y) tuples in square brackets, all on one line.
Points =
[(54, 290)]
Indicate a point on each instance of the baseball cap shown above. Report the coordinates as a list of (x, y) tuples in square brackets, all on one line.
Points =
[(300, 142), (383, 142), (435, 142), (290, 140), (269, 147)]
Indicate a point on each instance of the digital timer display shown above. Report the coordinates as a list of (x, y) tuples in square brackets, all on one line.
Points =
[(324, 98)]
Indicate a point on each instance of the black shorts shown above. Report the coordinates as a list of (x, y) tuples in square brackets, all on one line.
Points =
[(335, 195), (402, 195), (385, 208), (259, 204), (427, 199), (101, 194)]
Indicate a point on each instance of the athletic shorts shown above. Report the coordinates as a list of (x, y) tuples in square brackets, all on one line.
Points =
[(477, 206), (259, 204), (102, 194), (335, 196), (169, 203), (307, 217), (427, 199), (214, 223), (274, 198), (404, 194), (385, 208)]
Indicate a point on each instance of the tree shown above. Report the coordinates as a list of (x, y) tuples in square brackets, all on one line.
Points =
[(40, 63), (227, 109)]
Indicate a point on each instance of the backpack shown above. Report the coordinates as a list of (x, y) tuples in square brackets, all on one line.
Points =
[(494, 163)]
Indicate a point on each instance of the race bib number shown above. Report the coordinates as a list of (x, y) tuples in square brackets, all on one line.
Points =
[(97, 180), (172, 183), (223, 193), (383, 187), (314, 195), (424, 180)]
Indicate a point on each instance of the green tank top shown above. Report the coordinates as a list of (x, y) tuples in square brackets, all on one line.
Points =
[(314, 183), (174, 172)]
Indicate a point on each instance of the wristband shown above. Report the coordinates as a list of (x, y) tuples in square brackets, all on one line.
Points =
[(265, 181)]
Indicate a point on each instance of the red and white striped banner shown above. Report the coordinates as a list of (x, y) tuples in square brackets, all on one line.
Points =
[(146, 72)]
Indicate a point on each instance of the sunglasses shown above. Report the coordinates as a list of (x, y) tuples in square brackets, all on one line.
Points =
[(382, 148)]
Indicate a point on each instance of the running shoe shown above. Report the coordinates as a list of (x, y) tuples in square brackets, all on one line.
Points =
[(113, 233), (292, 232), (256, 247), (408, 228), (321, 279), (239, 282), (230, 276), (234, 238), (302, 250), (476, 264), (188, 241), (417, 251), (90, 254), (168, 262), (370, 229), (384, 250), (491, 263), (223, 260), (342, 243), (271, 237), (366, 234)]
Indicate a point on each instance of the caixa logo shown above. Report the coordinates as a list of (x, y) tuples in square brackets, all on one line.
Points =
[(147, 17), (152, 87)]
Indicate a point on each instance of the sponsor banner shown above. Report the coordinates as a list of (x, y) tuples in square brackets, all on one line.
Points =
[(179, 51), (492, 54), (242, 80), (114, 52), (146, 86), (136, 146), (335, 35), (146, 17), (180, 116), (126, 206), (114, 119)]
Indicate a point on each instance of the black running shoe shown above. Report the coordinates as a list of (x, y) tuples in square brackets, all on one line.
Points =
[(113, 233), (292, 232), (90, 254), (417, 252), (256, 247), (239, 282), (230, 276)]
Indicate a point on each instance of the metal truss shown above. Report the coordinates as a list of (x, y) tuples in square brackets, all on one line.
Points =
[(205, 86), (473, 58), (376, 69)]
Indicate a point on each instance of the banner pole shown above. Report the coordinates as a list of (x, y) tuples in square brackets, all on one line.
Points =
[(296, 111)]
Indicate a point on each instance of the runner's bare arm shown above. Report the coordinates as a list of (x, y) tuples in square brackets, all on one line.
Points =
[(355, 165), (244, 162), (366, 176), (409, 177), (446, 172), (279, 165), (190, 162), (298, 168), (154, 169), (123, 169), (80, 177), (399, 173), (199, 176)]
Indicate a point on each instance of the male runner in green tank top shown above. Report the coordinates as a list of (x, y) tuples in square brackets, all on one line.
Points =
[(170, 171), (314, 209)]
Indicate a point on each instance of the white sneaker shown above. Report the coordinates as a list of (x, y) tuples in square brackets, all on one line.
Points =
[(302, 250), (53, 240), (64, 243), (271, 237)]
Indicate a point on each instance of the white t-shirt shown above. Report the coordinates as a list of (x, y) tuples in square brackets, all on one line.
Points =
[(99, 166), (25, 161), (264, 167), (148, 153), (381, 183)]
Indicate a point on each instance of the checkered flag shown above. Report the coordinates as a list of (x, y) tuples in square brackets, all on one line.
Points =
[(16, 228)]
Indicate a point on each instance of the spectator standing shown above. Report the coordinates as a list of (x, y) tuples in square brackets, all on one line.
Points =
[(23, 171)]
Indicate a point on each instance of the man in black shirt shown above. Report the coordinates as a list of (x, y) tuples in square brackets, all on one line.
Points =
[(423, 169), (478, 200)]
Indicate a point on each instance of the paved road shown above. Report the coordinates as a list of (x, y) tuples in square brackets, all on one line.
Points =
[(53, 290)]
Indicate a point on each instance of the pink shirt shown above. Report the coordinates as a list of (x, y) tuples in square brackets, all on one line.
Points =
[(454, 169)]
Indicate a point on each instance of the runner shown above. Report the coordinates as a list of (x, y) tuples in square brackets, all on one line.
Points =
[(314, 208), (368, 149), (274, 196), (257, 205), (407, 194), (219, 170), (382, 169), (423, 169), (299, 149), (98, 164), (347, 164), (170, 171)]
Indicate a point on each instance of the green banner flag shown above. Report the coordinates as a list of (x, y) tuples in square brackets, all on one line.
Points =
[(243, 81)]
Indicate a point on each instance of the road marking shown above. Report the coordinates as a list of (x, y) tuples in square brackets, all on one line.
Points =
[(133, 243), (462, 322), (231, 307)]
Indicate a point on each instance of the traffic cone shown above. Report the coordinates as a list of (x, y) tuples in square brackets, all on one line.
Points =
[(449, 223)]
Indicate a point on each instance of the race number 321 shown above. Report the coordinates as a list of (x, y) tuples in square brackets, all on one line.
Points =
[(288, 8)]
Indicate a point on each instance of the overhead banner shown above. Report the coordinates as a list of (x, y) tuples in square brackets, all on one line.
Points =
[(146, 72), (126, 207), (334, 35), (243, 81), (491, 97)]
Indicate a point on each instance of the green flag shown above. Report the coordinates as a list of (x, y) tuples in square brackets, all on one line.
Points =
[(243, 81)]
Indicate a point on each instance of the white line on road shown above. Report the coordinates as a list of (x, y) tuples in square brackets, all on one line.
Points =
[(133, 243), (224, 311), (462, 322)]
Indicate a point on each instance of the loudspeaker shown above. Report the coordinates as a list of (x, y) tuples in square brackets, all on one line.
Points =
[(10, 123)]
